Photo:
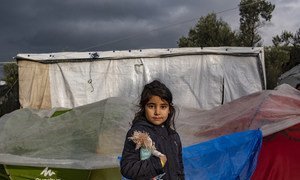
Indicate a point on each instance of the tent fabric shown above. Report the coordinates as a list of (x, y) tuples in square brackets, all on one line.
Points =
[(291, 77), (279, 157), (35, 77), (269, 110), (228, 157), (76, 79), (85, 137)]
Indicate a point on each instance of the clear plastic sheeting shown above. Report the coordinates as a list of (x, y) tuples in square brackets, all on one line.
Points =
[(87, 137), (269, 110), (92, 136)]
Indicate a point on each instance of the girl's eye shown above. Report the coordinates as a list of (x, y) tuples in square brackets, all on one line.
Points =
[(150, 106), (164, 107)]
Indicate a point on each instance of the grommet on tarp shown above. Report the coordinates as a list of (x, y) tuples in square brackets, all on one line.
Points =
[(94, 55)]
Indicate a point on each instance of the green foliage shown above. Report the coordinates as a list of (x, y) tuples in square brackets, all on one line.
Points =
[(9, 94), (209, 32), (276, 59), (295, 56), (58, 113), (297, 38), (283, 56), (3, 174), (287, 39), (10, 73), (253, 15)]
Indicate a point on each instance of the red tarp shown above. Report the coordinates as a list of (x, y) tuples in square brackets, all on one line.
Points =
[(275, 112), (280, 156)]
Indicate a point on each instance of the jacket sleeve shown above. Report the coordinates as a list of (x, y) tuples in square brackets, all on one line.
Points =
[(182, 177), (134, 168)]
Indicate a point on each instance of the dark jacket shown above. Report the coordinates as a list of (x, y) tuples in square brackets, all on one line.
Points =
[(166, 141)]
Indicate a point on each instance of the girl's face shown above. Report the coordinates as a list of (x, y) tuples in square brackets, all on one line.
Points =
[(157, 110)]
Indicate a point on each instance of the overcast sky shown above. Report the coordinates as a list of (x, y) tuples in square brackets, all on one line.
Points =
[(37, 26)]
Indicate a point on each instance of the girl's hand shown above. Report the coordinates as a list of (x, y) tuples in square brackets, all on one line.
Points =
[(163, 159)]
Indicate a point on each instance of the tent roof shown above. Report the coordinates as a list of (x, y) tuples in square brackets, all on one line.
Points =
[(291, 77), (124, 54)]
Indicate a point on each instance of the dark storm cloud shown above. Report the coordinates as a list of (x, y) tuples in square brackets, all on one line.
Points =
[(45, 26), (37, 26)]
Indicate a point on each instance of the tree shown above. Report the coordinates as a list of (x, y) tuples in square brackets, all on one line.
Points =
[(276, 59), (10, 73), (284, 55), (287, 39), (9, 93), (297, 38), (208, 32), (253, 15), (289, 42)]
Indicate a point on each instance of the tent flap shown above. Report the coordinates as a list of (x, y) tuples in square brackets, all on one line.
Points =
[(228, 157)]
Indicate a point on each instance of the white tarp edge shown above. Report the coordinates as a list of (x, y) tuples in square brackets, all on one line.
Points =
[(71, 56)]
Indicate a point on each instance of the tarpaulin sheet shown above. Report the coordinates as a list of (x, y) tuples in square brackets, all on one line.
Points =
[(193, 74), (228, 157), (280, 157), (269, 110), (34, 85), (82, 138), (291, 77), (92, 136)]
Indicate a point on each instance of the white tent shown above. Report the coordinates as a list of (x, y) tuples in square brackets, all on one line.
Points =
[(291, 77), (199, 78)]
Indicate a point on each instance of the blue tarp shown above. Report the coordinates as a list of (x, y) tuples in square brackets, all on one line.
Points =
[(228, 157)]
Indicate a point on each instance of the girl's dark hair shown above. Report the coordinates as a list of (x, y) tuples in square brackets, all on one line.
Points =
[(156, 88)]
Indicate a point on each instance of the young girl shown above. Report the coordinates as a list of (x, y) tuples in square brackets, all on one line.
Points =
[(156, 118)]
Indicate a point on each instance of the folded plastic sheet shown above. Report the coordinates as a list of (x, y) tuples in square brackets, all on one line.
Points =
[(269, 110), (92, 136), (86, 137), (228, 157)]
